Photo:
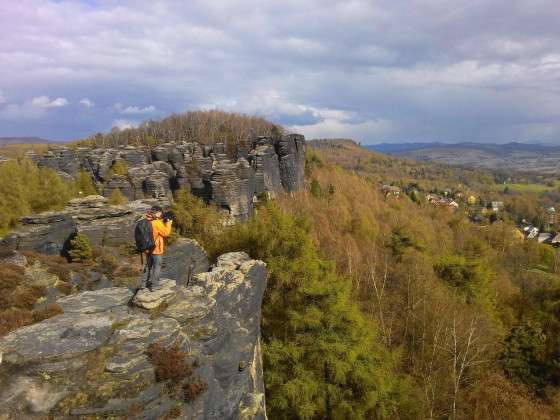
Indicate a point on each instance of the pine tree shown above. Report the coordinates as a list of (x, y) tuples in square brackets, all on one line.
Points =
[(80, 248), (25, 189), (84, 184), (117, 197), (321, 357), (315, 189), (119, 167)]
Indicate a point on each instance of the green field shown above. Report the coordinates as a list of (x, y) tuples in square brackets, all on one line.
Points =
[(530, 187)]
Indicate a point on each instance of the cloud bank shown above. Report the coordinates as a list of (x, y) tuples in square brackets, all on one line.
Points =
[(421, 70)]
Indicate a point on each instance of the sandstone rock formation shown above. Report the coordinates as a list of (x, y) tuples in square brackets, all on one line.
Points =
[(269, 165), (94, 360), (103, 224)]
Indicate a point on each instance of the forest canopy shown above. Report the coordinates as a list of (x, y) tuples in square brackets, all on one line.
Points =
[(206, 127)]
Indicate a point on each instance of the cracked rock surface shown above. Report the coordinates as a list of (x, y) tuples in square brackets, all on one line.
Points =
[(268, 165), (92, 360)]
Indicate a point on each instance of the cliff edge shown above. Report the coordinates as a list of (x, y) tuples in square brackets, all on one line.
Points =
[(178, 352)]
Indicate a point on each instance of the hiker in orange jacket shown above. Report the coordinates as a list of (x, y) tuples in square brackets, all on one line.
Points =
[(160, 230)]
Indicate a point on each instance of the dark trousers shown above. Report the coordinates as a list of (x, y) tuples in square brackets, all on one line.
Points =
[(152, 271)]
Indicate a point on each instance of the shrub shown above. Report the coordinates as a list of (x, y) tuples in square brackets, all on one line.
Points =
[(84, 184), (321, 356), (56, 265), (193, 388), (315, 189), (10, 276), (194, 218), (80, 249), (170, 363), (523, 355), (117, 197), (64, 288), (17, 299), (119, 167), (26, 297), (48, 312), (25, 189), (14, 318)]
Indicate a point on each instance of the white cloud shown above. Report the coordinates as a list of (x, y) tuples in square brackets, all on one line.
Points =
[(131, 110), (34, 109), (403, 70), (87, 103), (45, 102), (124, 124)]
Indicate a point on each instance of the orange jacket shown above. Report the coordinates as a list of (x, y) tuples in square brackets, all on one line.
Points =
[(160, 230)]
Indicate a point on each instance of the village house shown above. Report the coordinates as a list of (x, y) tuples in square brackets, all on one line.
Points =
[(391, 190), (531, 232), (453, 204), (551, 216), (555, 241), (545, 238), (497, 206), (436, 200)]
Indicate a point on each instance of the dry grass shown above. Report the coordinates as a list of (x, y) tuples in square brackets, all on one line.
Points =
[(170, 363), (14, 318), (193, 389), (55, 265), (48, 312), (18, 298), (64, 288)]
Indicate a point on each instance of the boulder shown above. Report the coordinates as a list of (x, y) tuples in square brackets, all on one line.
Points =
[(66, 335), (91, 302), (183, 259), (47, 233), (147, 299)]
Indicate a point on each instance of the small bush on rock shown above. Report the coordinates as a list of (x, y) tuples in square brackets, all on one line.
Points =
[(117, 197), (18, 298), (48, 312), (84, 185), (80, 249), (119, 167), (193, 389), (170, 363), (194, 218)]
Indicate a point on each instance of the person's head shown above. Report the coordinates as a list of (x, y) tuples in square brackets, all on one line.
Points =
[(157, 212)]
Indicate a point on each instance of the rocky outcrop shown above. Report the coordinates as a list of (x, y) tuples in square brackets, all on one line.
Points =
[(266, 165), (94, 359), (103, 224)]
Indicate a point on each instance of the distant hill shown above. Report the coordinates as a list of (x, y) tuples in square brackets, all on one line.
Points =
[(520, 157), (23, 140), (385, 168)]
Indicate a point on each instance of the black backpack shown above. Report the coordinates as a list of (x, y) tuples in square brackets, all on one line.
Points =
[(143, 236)]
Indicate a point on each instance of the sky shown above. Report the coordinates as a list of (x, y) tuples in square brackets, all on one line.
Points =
[(372, 70)]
